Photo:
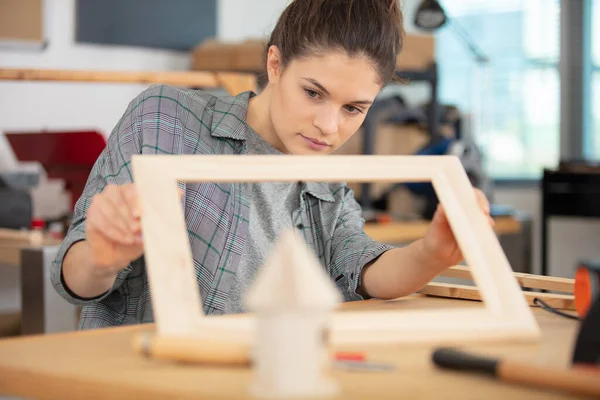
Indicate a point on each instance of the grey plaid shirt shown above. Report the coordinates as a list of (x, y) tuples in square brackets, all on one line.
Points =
[(169, 120)]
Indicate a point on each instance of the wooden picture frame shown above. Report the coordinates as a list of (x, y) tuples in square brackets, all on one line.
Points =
[(176, 299)]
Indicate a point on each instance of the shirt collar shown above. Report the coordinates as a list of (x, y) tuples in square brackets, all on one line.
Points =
[(319, 190), (230, 115), (229, 122)]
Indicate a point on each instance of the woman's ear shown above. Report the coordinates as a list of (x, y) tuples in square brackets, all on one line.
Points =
[(274, 64)]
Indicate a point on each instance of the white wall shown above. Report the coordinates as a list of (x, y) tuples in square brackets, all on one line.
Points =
[(74, 105), (239, 20)]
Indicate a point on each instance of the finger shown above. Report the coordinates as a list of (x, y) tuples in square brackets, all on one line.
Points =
[(131, 195), (121, 210), (440, 215), (111, 224), (107, 230), (483, 201), (131, 198), (440, 211)]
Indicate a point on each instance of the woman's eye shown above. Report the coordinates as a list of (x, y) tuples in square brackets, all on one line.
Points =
[(311, 93), (353, 110)]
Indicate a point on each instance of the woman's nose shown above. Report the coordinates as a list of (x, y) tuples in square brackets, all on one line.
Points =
[(327, 121)]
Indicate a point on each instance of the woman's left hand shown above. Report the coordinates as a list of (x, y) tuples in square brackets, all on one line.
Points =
[(439, 241)]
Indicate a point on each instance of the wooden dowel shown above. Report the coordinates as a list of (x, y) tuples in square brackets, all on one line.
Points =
[(449, 290), (192, 350), (529, 281), (210, 352), (190, 79)]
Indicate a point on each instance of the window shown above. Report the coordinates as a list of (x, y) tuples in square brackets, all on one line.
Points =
[(514, 99), (595, 88)]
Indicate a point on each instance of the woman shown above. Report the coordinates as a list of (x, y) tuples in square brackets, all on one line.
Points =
[(325, 63)]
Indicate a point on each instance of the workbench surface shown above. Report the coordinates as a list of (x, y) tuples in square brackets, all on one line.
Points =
[(101, 364)]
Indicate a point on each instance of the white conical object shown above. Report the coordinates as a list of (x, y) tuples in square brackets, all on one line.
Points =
[(292, 278), (293, 297)]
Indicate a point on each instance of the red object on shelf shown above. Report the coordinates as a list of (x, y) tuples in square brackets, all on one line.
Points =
[(38, 223), (67, 155)]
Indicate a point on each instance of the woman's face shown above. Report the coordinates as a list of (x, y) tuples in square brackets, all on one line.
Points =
[(319, 102)]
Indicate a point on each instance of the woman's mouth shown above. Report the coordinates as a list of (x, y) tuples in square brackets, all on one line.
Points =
[(314, 143)]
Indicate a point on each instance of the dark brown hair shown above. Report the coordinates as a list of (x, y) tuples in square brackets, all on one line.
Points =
[(371, 28)]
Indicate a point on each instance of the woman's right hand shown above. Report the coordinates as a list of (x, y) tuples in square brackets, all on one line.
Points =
[(113, 228)]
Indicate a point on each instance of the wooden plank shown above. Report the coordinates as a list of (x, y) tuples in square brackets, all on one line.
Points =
[(449, 290), (189, 79), (14, 241), (530, 281)]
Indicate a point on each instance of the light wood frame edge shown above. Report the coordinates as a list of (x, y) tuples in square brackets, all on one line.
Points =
[(166, 242)]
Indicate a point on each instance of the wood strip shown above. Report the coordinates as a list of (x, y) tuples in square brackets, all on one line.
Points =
[(448, 290), (14, 235), (530, 281), (191, 79)]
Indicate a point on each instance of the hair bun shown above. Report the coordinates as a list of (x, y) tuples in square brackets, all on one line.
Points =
[(368, 27)]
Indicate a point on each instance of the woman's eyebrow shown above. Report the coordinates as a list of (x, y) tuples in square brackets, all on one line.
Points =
[(318, 85)]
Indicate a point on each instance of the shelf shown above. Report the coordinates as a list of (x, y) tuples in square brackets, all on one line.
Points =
[(429, 75)]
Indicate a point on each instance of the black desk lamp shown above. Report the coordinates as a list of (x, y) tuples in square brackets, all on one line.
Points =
[(430, 15)]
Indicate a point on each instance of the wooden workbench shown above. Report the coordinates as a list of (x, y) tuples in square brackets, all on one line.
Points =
[(10, 251), (101, 364), (407, 231), (36, 303)]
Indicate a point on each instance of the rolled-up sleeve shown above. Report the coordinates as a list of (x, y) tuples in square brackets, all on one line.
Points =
[(352, 248), (111, 167)]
